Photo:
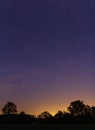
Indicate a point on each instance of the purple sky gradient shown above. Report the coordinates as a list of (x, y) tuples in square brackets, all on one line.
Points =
[(47, 53)]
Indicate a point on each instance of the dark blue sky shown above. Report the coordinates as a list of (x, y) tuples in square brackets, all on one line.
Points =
[(47, 53)]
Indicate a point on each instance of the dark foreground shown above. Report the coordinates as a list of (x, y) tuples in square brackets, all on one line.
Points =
[(48, 127)]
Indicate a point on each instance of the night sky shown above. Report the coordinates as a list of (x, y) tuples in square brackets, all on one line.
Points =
[(47, 53)]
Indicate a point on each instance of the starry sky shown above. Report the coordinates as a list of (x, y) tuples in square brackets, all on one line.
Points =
[(47, 53)]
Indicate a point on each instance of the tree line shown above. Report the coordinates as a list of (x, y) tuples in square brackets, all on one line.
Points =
[(77, 112)]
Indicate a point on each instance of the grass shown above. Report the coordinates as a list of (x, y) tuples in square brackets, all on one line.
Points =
[(48, 127)]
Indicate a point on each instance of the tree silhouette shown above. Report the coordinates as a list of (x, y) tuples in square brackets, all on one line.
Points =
[(77, 108), (22, 113), (87, 110), (58, 115), (45, 115), (9, 108), (93, 110)]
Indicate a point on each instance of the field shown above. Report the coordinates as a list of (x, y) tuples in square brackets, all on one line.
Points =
[(48, 127)]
